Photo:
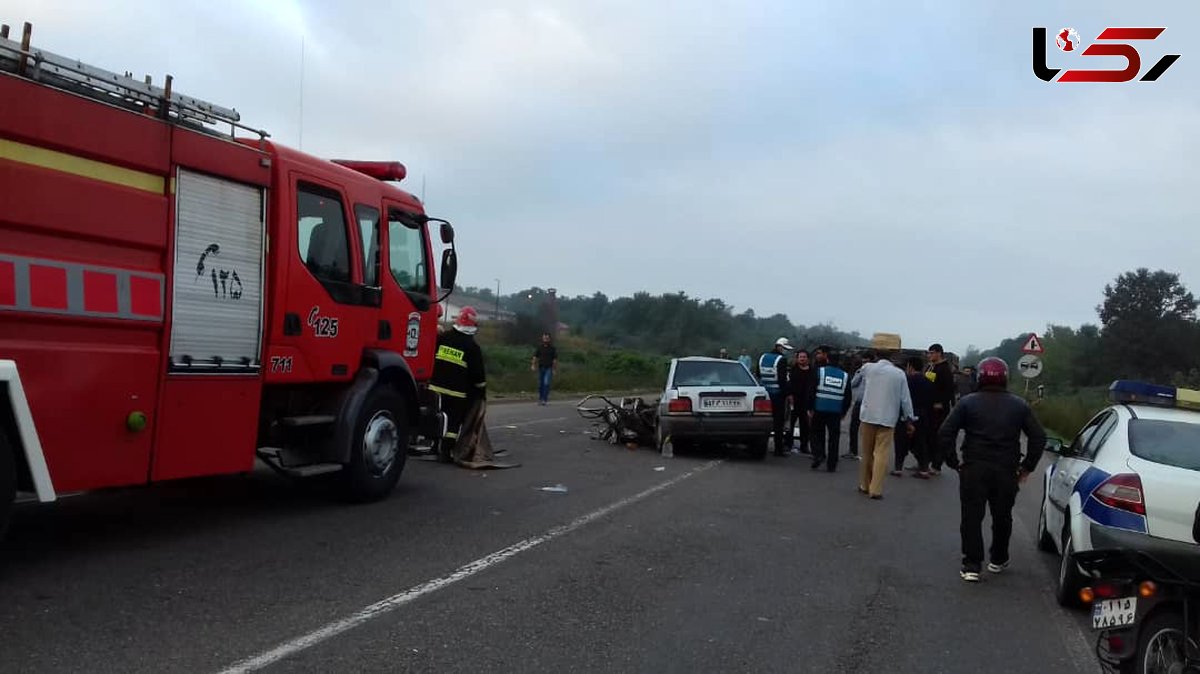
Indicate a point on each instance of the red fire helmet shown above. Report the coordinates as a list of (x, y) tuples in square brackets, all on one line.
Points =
[(467, 318)]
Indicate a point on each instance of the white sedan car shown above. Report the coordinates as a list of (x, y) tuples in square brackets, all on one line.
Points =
[(714, 399), (1129, 479)]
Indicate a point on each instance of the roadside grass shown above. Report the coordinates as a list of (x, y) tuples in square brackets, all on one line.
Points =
[(1064, 414), (583, 367)]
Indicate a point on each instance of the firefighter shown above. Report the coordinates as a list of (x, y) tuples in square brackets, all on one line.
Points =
[(992, 466), (773, 375), (458, 377)]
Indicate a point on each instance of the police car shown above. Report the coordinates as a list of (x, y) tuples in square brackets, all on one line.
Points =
[(1129, 479)]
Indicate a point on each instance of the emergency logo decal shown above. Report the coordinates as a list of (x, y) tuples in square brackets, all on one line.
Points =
[(323, 326), (231, 286), (412, 337)]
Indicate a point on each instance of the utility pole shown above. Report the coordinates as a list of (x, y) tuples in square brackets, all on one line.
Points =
[(497, 299), (301, 142)]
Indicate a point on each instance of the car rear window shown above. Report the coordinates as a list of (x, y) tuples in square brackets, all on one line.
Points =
[(706, 373), (1171, 443)]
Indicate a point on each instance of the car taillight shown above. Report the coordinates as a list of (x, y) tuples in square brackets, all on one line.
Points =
[(762, 405), (679, 405), (1123, 492)]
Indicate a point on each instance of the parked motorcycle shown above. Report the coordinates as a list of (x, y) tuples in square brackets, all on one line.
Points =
[(1146, 606)]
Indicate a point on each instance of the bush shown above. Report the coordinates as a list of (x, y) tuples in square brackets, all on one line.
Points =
[(1064, 415)]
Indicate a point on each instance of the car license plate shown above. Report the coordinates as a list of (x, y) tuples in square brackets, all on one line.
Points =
[(1114, 613), (721, 403)]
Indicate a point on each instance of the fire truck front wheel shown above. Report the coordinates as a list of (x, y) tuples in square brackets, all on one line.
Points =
[(8, 480), (379, 449)]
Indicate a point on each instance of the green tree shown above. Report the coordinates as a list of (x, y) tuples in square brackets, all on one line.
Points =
[(1150, 329)]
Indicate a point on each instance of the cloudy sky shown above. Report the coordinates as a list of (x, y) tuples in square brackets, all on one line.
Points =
[(884, 166)]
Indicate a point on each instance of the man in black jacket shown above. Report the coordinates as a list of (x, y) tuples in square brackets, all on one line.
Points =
[(920, 444), (803, 379), (941, 375), (992, 466)]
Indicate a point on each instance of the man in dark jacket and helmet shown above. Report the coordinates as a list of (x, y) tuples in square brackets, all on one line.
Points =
[(992, 465)]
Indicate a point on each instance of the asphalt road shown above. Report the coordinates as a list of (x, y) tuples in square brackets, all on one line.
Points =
[(709, 564)]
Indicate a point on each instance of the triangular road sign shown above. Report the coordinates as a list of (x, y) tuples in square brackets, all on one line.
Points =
[(1033, 345)]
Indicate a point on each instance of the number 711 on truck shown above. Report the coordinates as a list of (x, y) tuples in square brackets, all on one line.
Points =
[(177, 301)]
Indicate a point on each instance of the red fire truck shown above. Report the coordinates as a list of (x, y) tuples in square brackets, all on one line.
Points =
[(177, 301)]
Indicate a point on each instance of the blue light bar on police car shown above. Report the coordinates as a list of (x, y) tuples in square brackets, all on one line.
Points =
[(1129, 391)]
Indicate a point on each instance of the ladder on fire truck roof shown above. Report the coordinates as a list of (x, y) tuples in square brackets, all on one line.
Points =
[(121, 90)]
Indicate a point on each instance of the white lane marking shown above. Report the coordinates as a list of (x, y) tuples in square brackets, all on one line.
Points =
[(1074, 638), (394, 602)]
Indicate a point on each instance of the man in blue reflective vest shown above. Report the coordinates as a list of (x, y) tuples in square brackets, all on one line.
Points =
[(772, 372), (830, 400)]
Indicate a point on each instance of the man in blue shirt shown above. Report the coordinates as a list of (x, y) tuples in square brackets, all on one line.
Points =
[(746, 360), (885, 401)]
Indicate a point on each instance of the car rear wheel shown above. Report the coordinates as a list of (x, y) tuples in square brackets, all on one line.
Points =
[(1070, 579)]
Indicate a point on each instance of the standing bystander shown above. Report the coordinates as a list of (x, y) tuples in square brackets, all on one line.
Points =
[(545, 363)]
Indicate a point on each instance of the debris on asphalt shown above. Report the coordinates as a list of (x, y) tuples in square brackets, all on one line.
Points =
[(509, 426), (660, 468), (556, 489)]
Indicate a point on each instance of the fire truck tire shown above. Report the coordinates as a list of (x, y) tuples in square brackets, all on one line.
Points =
[(8, 480), (379, 449)]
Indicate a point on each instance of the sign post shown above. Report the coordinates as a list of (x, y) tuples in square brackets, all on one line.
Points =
[(1033, 345), (1030, 365)]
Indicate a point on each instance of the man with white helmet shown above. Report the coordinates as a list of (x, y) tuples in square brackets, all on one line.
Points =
[(772, 372)]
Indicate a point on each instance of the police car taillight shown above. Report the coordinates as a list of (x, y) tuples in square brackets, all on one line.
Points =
[(1123, 492)]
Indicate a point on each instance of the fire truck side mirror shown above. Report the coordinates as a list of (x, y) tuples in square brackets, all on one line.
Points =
[(449, 268), (447, 233)]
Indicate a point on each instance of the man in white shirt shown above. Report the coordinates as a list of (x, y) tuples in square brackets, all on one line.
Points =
[(885, 401)]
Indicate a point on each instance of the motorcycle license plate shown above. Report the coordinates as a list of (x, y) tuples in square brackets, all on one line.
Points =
[(1114, 613)]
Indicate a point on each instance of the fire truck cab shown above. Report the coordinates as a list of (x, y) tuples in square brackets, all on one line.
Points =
[(176, 301)]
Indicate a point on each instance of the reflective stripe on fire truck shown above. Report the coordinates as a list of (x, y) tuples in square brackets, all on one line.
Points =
[(27, 432), (49, 286), (80, 166)]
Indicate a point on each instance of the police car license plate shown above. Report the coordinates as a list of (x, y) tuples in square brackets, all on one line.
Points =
[(1114, 613), (721, 403)]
